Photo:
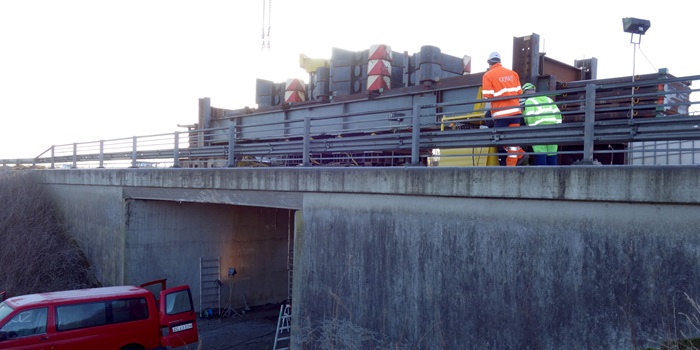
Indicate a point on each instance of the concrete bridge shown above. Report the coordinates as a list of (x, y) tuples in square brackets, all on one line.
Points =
[(431, 258)]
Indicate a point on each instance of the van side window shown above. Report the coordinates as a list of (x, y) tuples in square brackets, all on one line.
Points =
[(26, 323), (126, 310), (99, 313), (81, 315), (178, 302)]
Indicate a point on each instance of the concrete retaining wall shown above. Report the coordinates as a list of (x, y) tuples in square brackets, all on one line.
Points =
[(95, 217), (456, 273)]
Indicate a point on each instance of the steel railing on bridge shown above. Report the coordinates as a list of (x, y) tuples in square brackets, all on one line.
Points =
[(641, 122)]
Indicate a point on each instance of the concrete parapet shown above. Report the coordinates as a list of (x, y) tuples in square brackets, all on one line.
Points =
[(662, 184)]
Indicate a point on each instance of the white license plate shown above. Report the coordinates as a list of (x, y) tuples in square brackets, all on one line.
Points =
[(182, 327)]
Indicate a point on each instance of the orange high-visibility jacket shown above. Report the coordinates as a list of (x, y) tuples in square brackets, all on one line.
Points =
[(498, 82)]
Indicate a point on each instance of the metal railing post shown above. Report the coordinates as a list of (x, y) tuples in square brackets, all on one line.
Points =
[(133, 153), (102, 154), (75, 155), (588, 126), (231, 143), (176, 150), (415, 135), (53, 161), (306, 161)]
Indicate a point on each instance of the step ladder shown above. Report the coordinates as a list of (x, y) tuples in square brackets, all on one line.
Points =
[(283, 333)]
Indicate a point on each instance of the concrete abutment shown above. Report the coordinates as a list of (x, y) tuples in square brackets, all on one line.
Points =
[(561, 257)]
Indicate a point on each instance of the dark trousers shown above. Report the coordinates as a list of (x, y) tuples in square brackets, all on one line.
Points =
[(542, 159), (504, 123)]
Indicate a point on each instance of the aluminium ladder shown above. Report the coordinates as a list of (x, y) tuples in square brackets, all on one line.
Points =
[(283, 333), (209, 286)]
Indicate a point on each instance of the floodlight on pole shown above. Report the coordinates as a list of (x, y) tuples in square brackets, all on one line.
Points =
[(635, 25), (638, 27)]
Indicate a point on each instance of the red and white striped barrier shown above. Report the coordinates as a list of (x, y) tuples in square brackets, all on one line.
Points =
[(295, 91), (379, 68), (467, 60)]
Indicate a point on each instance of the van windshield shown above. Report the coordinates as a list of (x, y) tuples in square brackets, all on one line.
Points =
[(4, 311)]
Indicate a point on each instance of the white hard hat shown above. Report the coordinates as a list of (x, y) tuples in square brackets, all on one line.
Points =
[(494, 57)]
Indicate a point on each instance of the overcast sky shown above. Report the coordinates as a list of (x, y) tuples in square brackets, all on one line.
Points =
[(75, 71)]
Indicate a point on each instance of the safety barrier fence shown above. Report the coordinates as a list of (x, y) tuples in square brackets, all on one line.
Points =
[(648, 122)]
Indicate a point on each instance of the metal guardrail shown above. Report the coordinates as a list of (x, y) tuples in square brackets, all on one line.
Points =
[(669, 129)]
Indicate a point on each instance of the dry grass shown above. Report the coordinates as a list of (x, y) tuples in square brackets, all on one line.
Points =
[(36, 255), (686, 340), (339, 333)]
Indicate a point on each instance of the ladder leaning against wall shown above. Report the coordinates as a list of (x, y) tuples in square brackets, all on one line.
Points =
[(209, 286), (283, 333)]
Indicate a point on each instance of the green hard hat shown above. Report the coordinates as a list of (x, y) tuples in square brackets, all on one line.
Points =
[(528, 86)]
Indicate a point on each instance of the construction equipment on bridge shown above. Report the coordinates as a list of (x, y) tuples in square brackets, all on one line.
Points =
[(374, 92), (384, 107)]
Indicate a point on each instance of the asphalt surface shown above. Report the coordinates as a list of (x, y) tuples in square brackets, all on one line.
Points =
[(250, 330)]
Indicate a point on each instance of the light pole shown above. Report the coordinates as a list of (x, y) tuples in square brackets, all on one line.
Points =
[(639, 27)]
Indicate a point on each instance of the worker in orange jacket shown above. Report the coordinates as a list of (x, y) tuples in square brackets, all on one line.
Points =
[(499, 81)]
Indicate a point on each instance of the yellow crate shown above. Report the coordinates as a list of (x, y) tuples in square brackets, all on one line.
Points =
[(466, 157), (478, 156)]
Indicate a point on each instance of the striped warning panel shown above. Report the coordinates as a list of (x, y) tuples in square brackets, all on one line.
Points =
[(294, 96), (295, 91), (376, 82), (379, 67), (380, 52), (295, 85), (467, 61)]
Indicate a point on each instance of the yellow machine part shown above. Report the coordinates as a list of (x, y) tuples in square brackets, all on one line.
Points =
[(481, 156), (310, 65)]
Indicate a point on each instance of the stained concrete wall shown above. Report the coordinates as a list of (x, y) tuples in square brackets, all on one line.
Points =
[(95, 217), (169, 238), (131, 241), (478, 273)]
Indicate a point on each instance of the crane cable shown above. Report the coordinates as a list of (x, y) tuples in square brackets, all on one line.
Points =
[(266, 39), (263, 27)]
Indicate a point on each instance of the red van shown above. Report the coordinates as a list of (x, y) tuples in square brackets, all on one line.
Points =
[(109, 318)]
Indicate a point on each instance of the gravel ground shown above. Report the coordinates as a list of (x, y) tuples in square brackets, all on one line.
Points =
[(253, 330)]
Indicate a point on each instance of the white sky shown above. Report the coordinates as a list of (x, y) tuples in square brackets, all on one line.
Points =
[(85, 70)]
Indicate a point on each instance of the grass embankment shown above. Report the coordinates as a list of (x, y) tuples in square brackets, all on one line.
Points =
[(36, 254)]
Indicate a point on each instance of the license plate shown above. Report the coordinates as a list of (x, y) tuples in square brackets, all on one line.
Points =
[(181, 328)]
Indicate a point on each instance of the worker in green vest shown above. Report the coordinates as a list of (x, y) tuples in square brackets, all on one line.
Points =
[(541, 110)]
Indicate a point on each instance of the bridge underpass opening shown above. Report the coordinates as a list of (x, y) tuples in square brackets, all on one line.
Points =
[(166, 239)]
